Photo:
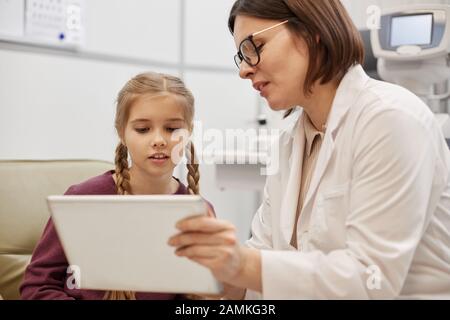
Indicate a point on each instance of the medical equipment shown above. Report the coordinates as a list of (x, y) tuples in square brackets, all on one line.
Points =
[(413, 50)]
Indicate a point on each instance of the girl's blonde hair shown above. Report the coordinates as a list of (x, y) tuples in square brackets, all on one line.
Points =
[(150, 84)]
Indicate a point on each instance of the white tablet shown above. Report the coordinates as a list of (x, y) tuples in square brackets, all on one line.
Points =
[(120, 242)]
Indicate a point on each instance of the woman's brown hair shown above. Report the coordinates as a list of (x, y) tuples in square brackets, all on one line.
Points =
[(150, 84), (340, 45)]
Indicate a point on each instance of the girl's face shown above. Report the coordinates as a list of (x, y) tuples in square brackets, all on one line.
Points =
[(281, 72), (148, 133)]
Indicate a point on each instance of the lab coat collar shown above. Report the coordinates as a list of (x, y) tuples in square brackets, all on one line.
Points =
[(350, 88), (310, 134), (347, 94), (348, 91), (291, 182)]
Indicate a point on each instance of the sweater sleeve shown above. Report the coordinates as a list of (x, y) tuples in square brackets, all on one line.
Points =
[(45, 275)]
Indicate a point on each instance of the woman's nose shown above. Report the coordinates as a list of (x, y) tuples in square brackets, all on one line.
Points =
[(246, 70)]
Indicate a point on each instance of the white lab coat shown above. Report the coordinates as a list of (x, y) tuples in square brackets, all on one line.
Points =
[(376, 220)]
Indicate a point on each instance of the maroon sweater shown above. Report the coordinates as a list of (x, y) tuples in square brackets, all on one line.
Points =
[(46, 275)]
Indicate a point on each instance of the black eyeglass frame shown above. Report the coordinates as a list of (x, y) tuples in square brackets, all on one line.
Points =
[(239, 57)]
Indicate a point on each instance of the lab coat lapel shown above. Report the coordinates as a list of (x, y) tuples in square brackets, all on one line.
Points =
[(346, 96), (326, 151), (291, 183)]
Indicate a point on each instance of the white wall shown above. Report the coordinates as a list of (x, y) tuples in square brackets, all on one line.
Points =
[(134, 28), (208, 41)]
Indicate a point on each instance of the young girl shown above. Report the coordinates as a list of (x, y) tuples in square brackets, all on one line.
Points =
[(150, 108)]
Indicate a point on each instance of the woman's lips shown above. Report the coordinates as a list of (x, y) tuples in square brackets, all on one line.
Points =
[(263, 91), (261, 86)]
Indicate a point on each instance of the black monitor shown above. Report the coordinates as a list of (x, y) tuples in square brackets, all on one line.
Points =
[(414, 29)]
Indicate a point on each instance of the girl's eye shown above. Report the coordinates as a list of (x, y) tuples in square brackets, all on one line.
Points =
[(141, 130), (172, 129)]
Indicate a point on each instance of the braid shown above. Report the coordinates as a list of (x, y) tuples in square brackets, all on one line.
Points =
[(119, 295), (193, 176), (122, 173), (123, 188)]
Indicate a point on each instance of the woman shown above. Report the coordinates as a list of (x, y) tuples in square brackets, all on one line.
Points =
[(360, 207)]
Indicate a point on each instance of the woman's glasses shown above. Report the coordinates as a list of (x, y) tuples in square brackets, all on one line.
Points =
[(248, 51)]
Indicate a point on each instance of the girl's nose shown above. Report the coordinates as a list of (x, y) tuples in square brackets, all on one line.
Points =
[(158, 140)]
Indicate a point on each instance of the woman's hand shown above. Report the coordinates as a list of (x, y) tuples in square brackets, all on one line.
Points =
[(211, 243)]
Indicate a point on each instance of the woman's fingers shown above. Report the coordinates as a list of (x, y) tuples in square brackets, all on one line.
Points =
[(199, 238), (224, 262), (203, 224), (211, 243), (197, 252)]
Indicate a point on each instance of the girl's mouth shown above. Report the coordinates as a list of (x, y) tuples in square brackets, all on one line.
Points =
[(159, 158)]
